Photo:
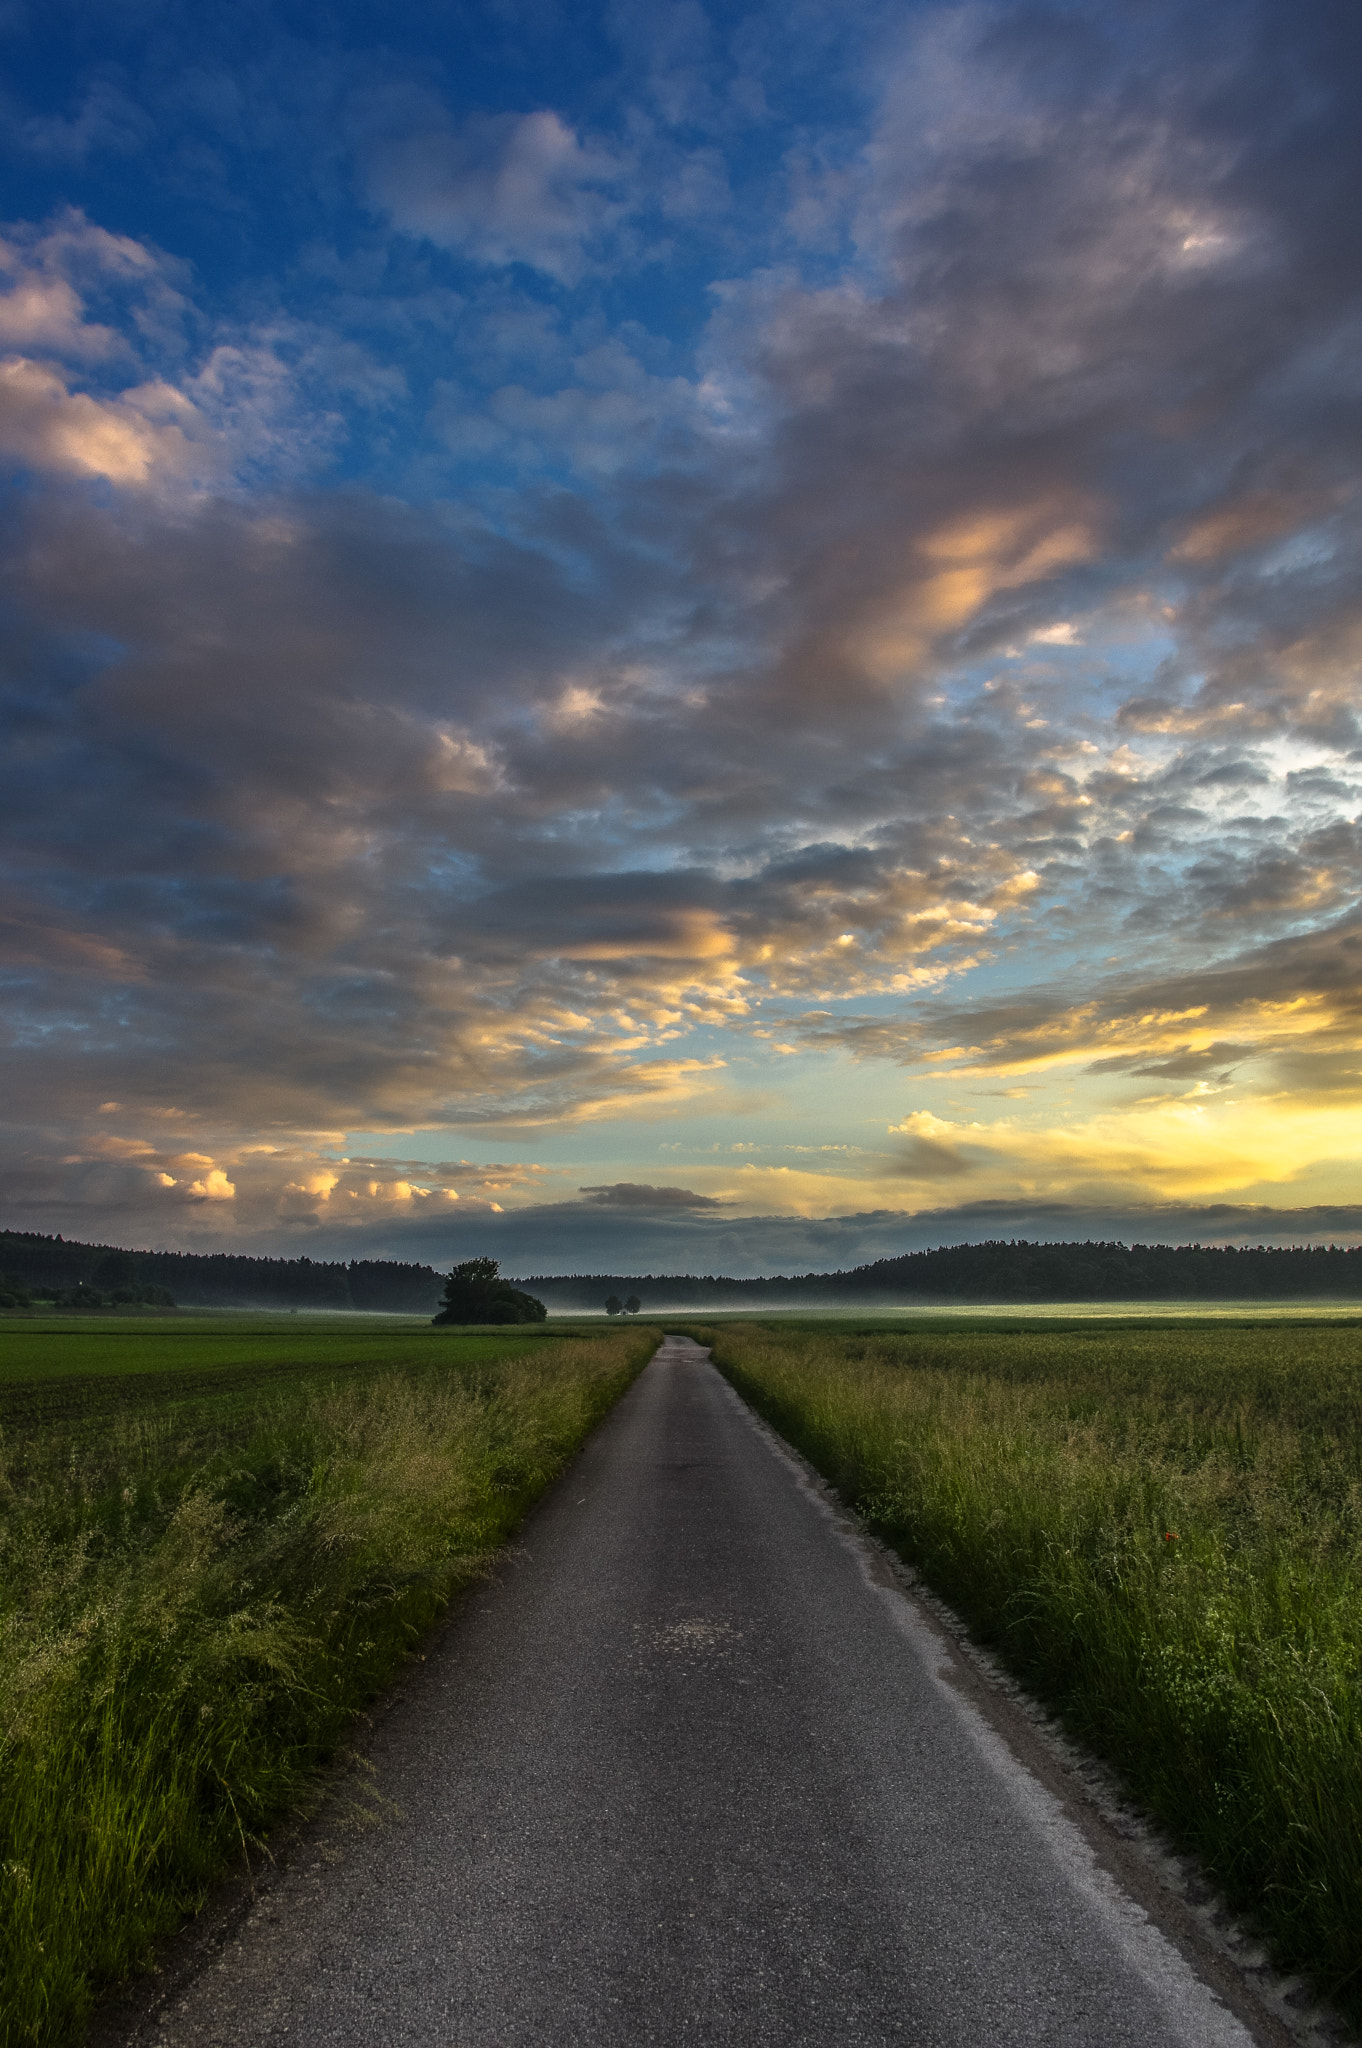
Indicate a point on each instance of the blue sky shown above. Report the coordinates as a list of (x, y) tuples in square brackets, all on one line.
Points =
[(679, 636)]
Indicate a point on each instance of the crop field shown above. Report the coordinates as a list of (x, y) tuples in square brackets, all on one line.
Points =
[(947, 1315), (218, 1541), (58, 1369), (1160, 1531)]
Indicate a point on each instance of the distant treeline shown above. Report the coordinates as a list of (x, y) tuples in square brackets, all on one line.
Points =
[(54, 1265), (998, 1271), (1012, 1271)]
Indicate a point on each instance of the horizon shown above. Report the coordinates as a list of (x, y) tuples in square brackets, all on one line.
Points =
[(607, 1276), (721, 634)]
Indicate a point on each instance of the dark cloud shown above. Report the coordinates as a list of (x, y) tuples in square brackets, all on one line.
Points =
[(628, 1194), (927, 1159), (576, 1237), (1185, 1064), (551, 1240)]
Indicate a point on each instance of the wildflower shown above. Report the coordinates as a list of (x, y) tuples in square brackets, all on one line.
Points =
[(1170, 1535)]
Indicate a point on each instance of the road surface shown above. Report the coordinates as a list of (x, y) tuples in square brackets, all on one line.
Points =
[(687, 1771)]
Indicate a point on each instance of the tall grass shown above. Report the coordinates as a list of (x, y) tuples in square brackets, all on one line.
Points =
[(1162, 1534), (189, 1622)]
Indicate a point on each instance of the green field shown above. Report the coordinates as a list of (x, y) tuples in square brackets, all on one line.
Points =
[(218, 1541), (991, 1315), (1160, 1530), (72, 1370)]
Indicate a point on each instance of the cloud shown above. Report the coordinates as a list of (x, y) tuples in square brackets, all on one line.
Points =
[(114, 374), (503, 189), (106, 120), (577, 1237), (560, 1239), (139, 432), (294, 1188), (628, 1194), (1298, 992), (137, 438), (39, 310), (932, 1151), (1185, 1063), (947, 661)]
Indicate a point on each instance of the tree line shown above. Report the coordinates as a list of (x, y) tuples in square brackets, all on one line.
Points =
[(35, 1267), (55, 1268), (1004, 1270)]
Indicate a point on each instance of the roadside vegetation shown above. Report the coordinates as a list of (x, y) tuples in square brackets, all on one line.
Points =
[(215, 1547), (1160, 1530)]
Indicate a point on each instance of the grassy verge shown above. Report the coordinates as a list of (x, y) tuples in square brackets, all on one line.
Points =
[(1161, 1532), (197, 1594)]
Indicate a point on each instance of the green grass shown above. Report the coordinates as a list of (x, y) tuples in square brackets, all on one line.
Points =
[(1160, 1530), (215, 1547), (80, 1342), (72, 1370)]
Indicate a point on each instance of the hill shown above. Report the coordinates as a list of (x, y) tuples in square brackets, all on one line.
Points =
[(1000, 1271)]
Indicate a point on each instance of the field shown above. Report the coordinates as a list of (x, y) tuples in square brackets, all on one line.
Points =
[(219, 1540), (60, 1370), (1160, 1531)]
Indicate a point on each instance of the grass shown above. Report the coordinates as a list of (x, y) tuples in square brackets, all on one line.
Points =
[(1160, 1530), (72, 1371), (215, 1548)]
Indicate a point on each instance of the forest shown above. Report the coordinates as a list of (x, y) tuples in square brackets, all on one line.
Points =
[(1002, 1271), (47, 1267), (37, 1267)]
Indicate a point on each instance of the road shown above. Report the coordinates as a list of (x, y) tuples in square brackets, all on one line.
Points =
[(688, 1771)]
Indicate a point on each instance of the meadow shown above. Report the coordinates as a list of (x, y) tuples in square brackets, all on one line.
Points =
[(1159, 1529), (219, 1539)]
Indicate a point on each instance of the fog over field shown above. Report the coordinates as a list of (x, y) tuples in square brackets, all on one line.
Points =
[(692, 638)]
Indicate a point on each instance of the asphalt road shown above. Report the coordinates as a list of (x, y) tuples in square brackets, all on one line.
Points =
[(687, 1772)]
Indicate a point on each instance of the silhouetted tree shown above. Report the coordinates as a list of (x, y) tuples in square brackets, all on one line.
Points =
[(633, 1305), (475, 1294), (613, 1305)]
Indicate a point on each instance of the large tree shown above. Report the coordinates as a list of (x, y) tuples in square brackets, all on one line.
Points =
[(474, 1294)]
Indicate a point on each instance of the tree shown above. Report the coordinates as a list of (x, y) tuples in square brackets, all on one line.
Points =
[(613, 1305), (633, 1305), (474, 1293), (117, 1271), (13, 1293)]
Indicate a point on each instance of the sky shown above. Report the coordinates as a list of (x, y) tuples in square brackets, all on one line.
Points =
[(683, 637)]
